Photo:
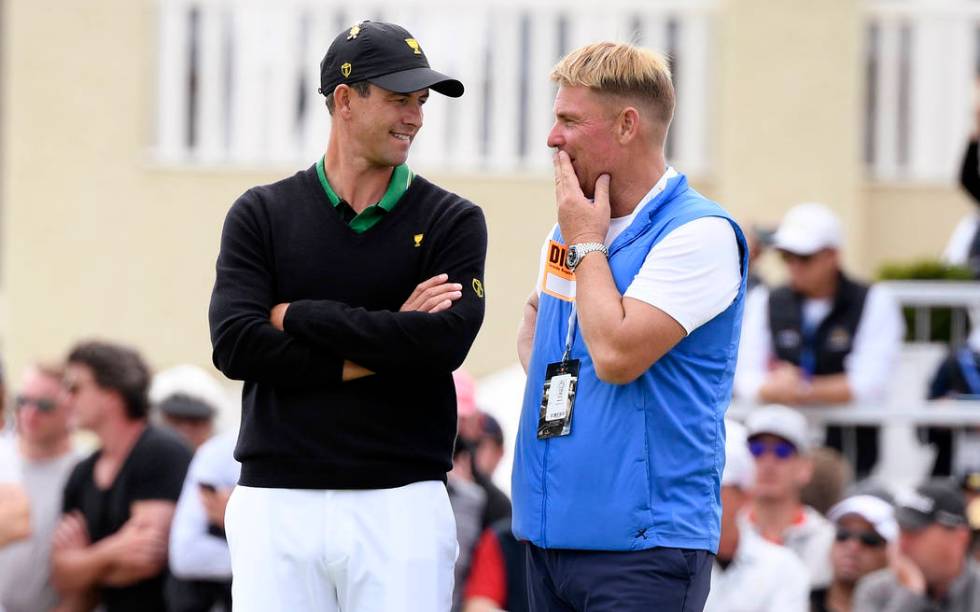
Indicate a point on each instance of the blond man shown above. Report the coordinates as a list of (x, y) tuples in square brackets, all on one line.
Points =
[(629, 341)]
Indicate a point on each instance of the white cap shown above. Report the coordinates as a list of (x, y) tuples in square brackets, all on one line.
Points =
[(780, 421), (873, 509), (739, 466), (808, 228)]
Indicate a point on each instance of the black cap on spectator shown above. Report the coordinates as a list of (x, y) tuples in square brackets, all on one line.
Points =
[(183, 406), (492, 429), (936, 501), (384, 54)]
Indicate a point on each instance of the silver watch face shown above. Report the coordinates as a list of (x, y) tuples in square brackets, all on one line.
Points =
[(572, 257)]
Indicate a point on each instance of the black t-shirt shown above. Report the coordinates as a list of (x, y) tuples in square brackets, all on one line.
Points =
[(154, 470)]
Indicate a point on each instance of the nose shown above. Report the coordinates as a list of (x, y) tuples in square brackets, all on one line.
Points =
[(555, 138), (413, 116)]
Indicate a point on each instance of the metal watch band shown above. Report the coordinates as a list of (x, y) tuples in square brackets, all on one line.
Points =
[(583, 249)]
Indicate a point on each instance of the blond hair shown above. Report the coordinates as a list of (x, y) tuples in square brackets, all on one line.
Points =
[(620, 69)]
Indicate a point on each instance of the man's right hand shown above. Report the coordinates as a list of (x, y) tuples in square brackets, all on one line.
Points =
[(432, 296)]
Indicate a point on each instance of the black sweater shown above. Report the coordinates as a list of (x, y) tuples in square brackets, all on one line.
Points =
[(970, 172), (302, 427)]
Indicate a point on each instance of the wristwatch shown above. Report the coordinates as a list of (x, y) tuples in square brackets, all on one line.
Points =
[(577, 252)]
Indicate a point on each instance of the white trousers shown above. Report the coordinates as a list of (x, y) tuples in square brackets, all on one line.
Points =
[(381, 550)]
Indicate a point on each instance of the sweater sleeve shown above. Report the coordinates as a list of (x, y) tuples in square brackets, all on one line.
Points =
[(970, 172), (245, 344), (414, 341)]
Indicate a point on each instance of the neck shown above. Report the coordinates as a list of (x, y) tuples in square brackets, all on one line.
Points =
[(118, 437), (627, 189), (40, 451), (772, 517), (827, 289), (839, 596), (357, 181)]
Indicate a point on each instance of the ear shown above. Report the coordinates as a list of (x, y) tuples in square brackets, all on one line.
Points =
[(342, 100), (627, 124)]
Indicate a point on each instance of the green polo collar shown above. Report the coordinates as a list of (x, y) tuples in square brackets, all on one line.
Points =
[(401, 178)]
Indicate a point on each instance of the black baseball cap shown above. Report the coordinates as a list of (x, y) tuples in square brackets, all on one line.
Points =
[(181, 405), (384, 54), (935, 501)]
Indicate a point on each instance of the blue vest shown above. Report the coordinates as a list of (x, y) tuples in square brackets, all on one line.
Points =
[(642, 465)]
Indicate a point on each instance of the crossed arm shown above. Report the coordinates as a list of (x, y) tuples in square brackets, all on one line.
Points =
[(327, 342), (136, 552)]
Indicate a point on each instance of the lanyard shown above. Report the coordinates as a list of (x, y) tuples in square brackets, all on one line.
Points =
[(570, 336)]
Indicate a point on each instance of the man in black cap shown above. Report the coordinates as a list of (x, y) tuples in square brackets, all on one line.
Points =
[(189, 416), (345, 297), (931, 571)]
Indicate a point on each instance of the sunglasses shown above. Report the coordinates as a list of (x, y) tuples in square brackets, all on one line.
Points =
[(42, 404), (867, 538), (793, 257), (782, 450)]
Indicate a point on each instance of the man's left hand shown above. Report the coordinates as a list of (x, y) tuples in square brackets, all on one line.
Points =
[(278, 315), (579, 219)]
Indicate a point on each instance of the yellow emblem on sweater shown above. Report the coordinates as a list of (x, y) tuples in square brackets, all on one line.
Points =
[(418, 240)]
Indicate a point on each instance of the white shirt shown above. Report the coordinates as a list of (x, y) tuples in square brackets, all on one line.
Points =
[(763, 577), (957, 250), (194, 553), (9, 460), (809, 538), (693, 274), (872, 358)]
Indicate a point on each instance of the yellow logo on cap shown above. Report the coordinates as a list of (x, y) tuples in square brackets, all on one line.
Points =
[(418, 240), (478, 287), (414, 44), (345, 69), (352, 34)]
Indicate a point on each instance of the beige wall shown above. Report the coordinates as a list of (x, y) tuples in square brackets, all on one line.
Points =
[(789, 109), (98, 240)]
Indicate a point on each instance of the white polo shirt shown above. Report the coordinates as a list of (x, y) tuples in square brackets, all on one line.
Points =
[(763, 577)]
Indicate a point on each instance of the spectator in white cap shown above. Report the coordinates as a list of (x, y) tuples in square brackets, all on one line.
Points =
[(750, 574), (778, 440), (823, 338), (865, 527)]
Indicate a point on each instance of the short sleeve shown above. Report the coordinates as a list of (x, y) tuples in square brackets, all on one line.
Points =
[(162, 467), (693, 274)]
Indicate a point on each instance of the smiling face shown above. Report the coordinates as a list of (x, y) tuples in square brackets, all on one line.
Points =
[(584, 128), (383, 125)]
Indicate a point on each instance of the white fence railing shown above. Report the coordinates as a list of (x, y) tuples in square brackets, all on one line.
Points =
[(921, 62), (238, 78)]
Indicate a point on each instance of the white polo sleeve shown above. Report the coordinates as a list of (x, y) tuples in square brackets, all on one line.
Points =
[(876, 345), (755, 345), (693, 274)]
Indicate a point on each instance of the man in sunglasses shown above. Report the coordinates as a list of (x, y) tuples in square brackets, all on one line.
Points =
[(750, 574), (44, 458), (823, 338), (779, 441), (933, 571), (865, 526)]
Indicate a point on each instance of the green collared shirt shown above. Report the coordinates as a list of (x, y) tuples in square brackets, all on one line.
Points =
[(401, 178)]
